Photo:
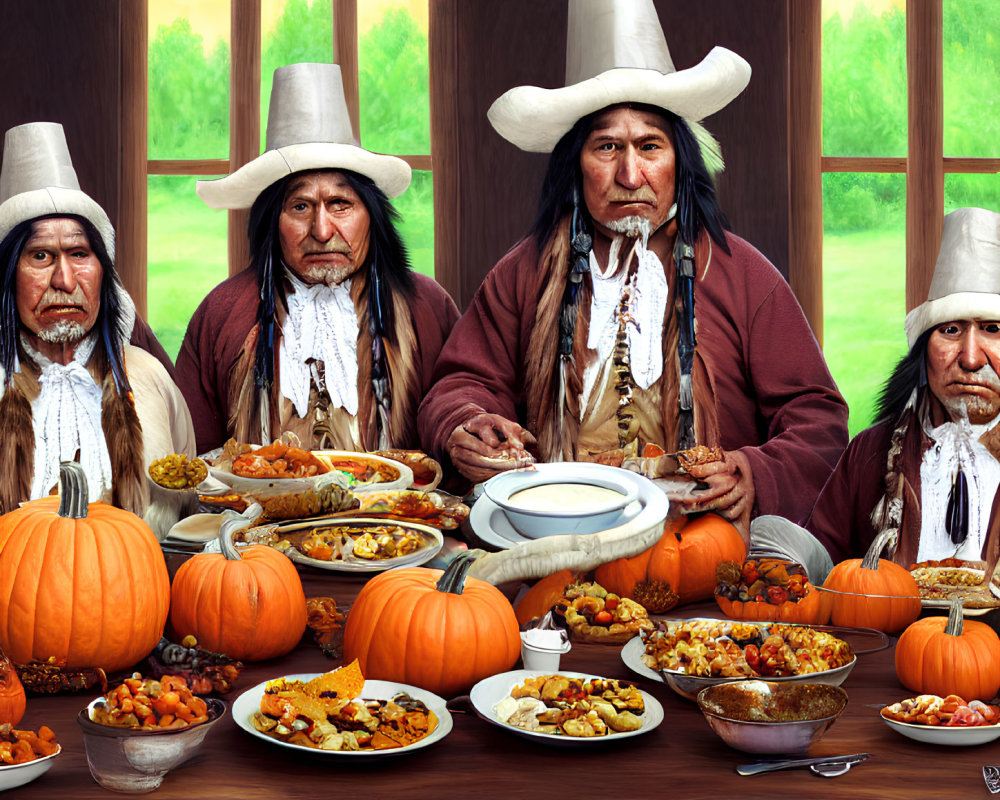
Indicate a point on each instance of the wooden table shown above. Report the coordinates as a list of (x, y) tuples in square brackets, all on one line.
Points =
[(682, 758)]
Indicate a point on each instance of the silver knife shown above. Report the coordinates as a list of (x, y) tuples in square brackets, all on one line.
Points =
[(770, 766)]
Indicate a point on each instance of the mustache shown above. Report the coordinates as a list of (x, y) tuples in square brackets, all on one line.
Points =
[(56, 297), (335, 245), (644, 194), (987, 376)]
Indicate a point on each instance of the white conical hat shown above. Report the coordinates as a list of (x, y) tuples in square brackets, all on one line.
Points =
[(37, 179), (308, 127), (616, 53), (966, 282)]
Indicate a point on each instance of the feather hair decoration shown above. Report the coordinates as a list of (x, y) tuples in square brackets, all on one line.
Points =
[(380, 314), (711, 150)]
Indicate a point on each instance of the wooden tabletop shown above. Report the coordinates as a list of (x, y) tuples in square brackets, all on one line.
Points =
[(682, 758)]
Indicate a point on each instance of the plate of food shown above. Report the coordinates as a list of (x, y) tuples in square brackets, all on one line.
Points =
[(340, 714), (31, 760), (565, 708), (689, 655), (944, 720), (349, 544), (942, 581)]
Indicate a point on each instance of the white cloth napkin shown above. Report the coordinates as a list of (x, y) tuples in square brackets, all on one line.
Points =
[(647, 306), (321, 325), (66, 418)]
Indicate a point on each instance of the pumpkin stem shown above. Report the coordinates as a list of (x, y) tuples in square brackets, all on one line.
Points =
[(886, 538), (72, 490), (236, 522), (956, 618), (453, 580)]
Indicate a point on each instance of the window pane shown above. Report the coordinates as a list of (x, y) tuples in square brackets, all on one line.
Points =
[(188, 79), (293, 31), (187, 255), (864, 278), (393, 76), (416, 207), (972, 80), (864, 78), (961, 191)]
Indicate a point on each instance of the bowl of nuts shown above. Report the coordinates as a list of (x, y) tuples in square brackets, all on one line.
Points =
[(142, 729)]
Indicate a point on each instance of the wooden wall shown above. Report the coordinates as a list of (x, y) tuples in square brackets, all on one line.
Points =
[(60, 63), (486, 189)]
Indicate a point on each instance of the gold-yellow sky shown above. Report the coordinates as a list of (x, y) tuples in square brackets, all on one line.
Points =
[(210, 18)]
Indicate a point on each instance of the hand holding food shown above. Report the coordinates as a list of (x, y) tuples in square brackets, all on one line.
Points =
[(487, 444)]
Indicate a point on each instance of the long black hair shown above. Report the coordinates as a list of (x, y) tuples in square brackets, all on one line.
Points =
[(694, 188), (387, 262), (110, 317), (910, 373)]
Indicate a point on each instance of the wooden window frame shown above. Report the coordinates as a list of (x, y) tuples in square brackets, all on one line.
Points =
[(924, 166), (244, 126)]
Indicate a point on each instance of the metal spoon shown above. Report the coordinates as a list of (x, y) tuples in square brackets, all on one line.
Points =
[(831, 769), (832, 765)]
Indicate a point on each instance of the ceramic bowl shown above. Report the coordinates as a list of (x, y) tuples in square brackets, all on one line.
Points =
[(771, 718), (14, 775), (576, 497), (136, 761)]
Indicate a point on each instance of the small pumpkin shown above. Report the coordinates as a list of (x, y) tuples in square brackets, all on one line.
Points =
[(680, 567), (441, 631), (542, 596), (12, 697), (873, 592), (83, 583), (953, 655), (248, 604), (773, 578)]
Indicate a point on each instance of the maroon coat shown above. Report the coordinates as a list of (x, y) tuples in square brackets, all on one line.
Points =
[(776, 400), (221, 323)]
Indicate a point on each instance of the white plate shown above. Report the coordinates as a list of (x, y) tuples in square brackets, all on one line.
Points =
[(689, 685), (492, 526), (935, 734), (361, 564), (490, 691), (14, 775), (248, 703)]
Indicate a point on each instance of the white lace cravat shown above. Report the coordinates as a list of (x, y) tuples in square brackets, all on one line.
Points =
[(67, 418), (955, 444), (321, 325), (647, 307)]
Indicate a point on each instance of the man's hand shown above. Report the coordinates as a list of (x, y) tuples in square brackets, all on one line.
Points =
[(730, 492), (488, 444)]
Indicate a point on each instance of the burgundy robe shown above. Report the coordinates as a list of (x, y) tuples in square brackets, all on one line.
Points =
[(776, 400), (221, 323)]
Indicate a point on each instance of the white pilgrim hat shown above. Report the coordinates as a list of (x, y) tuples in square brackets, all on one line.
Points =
[(966, 282), (37, 179), (616, 53), (308, 128)]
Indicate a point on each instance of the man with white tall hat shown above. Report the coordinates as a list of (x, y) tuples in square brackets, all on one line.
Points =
[(72, 384), (629, 315), (328, 333), (928, 469)]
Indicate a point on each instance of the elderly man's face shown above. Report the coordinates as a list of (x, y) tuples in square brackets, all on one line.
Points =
[(628, 167), (323, 228), (58, 288), (962, 359)]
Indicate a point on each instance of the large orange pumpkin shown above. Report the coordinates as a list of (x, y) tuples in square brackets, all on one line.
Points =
[(248, 604), (440, 631), (681, 563), (12, 699), (942, 656), (86, 584), (872, 592)]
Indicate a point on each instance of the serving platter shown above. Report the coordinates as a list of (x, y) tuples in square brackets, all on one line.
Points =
[(688, 686), (432, 536), (949, 736), (490, 523), (248, 703), (488, 692), (940, 582)]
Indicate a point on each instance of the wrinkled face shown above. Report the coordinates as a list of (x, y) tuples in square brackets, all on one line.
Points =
[(323, 228), (962, 362), (628, 167), (58, 289)]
